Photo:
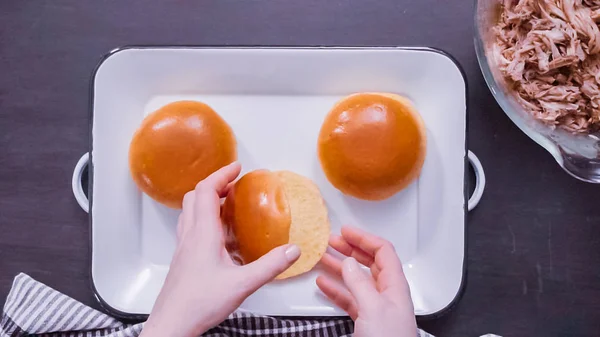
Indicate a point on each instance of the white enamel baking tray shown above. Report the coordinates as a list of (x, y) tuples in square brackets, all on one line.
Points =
[(275, 100)]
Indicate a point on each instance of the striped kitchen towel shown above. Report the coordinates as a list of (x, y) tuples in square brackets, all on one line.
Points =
[(33, 308)]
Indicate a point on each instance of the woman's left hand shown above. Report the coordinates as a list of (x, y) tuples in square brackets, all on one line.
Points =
[(204, 286)]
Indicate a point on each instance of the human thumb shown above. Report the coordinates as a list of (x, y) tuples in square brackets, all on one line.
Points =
[(266, 268), (358, 282)]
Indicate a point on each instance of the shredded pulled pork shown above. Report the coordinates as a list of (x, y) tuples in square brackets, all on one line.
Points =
[(550, 51)]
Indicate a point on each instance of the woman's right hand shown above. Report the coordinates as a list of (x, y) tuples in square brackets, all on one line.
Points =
[(379, 303)]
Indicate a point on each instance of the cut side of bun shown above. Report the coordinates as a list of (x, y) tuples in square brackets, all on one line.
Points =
[(310, 226)]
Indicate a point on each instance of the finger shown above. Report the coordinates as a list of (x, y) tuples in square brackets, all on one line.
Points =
[(358, 282), (226, 190), (339, 295), (179, 227), (387, 267), (389, 271), (266, 268), (208, 223), (339, 243), (367, 242), (391, 274), (226, 256), (332, 263), (208, 205), (209, 190), (219, 180), (375, 272), (188, 211), (373, 245)]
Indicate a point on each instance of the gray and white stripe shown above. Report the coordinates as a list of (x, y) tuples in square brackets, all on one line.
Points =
[(33, 308)]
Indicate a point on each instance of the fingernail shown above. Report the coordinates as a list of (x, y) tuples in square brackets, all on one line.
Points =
[(292, 253)]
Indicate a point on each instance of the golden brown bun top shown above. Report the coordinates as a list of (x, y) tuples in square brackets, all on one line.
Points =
[(177, 146), (258, 213), (372, 145)]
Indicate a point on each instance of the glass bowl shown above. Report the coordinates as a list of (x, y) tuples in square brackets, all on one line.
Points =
[(578, 154)]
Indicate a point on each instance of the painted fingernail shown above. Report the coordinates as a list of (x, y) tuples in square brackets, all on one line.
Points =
[(292, 253)]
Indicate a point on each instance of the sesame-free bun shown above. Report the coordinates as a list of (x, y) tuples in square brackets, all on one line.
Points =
[(266, 209), (372, 145), (177, 146)]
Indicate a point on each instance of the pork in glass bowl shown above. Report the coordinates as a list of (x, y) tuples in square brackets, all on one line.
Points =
[(571, 137)]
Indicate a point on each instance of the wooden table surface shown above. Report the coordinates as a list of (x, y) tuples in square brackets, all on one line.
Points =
[(533, 243)]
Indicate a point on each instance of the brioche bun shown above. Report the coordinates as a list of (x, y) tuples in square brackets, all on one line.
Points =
[(372, 145), (265, 209), (177, 146)]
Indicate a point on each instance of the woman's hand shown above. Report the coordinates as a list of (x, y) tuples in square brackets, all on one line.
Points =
[(204, 285), (380, 303)]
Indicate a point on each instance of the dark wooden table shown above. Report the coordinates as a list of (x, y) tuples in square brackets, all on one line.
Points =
[(533, 243)]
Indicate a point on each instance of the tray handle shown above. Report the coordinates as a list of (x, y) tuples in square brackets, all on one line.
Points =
[(479, 181), (83, 202), (76, 184)]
